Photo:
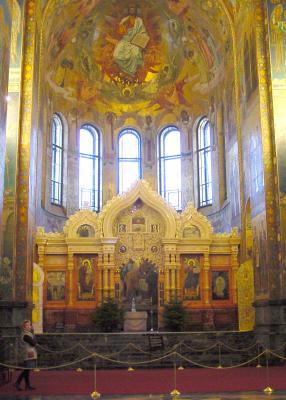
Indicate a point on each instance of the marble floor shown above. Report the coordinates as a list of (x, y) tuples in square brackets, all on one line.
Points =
[(210, 396)]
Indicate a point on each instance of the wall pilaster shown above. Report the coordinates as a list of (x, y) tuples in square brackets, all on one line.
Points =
[(25, 177)]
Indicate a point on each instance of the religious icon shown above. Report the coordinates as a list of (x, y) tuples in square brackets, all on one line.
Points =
[(154, 228), (128, 51), (192, 279), (122, 249), (56, 286), (86, 280), (138, 224), (220, 289), (121, 228), (154, 249), (191, 231), (85, 231), (139, 280)]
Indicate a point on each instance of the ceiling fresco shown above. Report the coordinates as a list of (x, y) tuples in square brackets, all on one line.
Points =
[(132, 56), (228, 3)]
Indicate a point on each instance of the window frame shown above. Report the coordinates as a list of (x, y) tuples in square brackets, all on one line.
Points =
[(96, 200), (203, 153), (162, 158), (127, 131), (57, 122)]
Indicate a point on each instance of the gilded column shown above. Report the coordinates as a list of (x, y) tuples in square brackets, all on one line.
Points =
[(178, 278), (111, 274), (108, 266), (173, 280), (170, 271), (70, 278), (273, 284), (167, 285), (105, 281), (167, 268), (100, 278), (206, 279), (234, 268), (24, 208), (41, 254)]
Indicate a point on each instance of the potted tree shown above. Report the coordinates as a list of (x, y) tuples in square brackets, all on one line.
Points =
[(174, 316), (108, 317)]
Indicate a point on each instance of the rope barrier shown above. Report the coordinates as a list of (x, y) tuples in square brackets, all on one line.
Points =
[(110, 354), (153, 360), (172, 352), (181, 343), (200, 350), (222, 367), (239, 350), (276, 355), (59, 351)]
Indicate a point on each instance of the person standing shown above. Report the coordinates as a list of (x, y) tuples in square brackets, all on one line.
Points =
[(30, 355)]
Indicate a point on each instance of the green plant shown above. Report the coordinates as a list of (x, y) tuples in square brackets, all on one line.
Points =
[(174, 316), (108, 317)]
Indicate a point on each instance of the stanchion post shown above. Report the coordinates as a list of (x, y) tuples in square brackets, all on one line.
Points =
[(175, 392), (258, 356), (268, 389), (219, 356), (181, 366), (95, 394)]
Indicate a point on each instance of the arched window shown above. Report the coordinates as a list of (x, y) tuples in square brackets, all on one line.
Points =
[(57, 161), (170, 166), (129, 159), (89, 168), (204, 163)]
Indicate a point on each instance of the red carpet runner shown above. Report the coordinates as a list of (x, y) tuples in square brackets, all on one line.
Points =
[(157, 381)]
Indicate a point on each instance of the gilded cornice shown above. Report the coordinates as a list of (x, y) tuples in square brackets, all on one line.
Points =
[(41, 234), (175, 223), (190, 216), (82, 217)]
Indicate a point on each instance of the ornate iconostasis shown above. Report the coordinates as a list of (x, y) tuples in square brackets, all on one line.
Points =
[(139, 248)]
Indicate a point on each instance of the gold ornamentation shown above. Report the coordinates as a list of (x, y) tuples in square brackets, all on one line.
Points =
[(82, 217), (141, 190), (140, 226), (175, 393), (95, 395), (191, 216), (26, 137), (268, 390), (245, 294)]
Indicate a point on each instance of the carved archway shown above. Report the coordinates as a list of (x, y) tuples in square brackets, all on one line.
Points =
[(141, 190)]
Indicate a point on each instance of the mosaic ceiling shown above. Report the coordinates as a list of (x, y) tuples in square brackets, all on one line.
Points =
[(132, 56)]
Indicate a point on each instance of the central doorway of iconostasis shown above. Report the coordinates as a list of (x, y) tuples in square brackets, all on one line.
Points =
[(139, 288), (139, 229)]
